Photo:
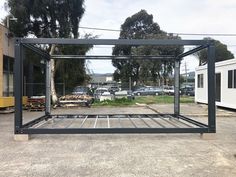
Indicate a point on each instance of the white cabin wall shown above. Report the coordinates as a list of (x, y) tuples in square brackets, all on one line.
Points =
[(228, 95), (201, 93)]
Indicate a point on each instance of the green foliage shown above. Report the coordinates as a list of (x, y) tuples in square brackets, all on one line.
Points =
[(70, 71), (142, 26), (43, 18), (115, 102), (221, 53), (54, 19)]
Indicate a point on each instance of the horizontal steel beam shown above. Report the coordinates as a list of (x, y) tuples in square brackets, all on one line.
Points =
[(35, 121), (113, 115), (110, 130), (131, 42), (111, 57), (192, 121), (192, 51)]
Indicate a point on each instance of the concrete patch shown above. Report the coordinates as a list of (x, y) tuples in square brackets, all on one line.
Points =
[(21, 137), (208, 136)]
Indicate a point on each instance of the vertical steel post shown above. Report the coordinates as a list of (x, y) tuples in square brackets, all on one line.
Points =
[(176, 87), (18, 86), (48, 88), (211, 88)]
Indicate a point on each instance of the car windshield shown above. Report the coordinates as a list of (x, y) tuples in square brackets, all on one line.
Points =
[(80, 89), (157, 89), (101, 90)]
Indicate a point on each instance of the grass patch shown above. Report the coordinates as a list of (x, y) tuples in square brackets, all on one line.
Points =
[(162, 99), (116, 102)]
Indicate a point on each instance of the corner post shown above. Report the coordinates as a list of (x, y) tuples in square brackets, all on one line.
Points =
[(18, 85), (211, 88), (176, 87), (48, 87)]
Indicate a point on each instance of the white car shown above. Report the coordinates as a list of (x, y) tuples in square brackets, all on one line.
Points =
[(169, 90), (99, 91)]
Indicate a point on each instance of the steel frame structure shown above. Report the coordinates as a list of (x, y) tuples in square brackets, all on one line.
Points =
[(151, 123)]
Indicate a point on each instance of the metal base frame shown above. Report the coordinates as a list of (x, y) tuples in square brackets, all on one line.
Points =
[(113, 123), (174, 123)]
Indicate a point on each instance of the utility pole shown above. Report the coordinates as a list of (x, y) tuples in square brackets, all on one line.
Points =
[(186, 73)]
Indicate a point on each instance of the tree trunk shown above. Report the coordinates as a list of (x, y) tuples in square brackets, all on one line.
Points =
[(53, 88)]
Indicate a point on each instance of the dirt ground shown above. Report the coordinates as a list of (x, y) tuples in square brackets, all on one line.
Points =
[(171, 155)]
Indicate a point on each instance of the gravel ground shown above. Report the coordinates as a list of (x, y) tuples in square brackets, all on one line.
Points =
[(171, 155)]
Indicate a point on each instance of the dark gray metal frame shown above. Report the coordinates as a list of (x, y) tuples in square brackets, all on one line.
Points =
[(28, 128)]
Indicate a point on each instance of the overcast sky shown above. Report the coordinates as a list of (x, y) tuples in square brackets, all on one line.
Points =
[(176, 16)]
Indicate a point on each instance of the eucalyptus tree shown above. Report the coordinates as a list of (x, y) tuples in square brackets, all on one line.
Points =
[(51, 19), (221, 53), (142, 26)]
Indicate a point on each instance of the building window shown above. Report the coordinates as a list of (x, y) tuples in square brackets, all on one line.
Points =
[(200, 80), (8, 76), (232, 78), (235, 78)]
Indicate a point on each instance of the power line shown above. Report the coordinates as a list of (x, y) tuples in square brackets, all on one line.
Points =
[(182, 34), (101, 29), (205, 34)]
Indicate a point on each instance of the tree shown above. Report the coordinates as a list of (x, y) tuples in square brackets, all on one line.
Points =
[(135, 27), (221, 53), (51, 19), (142, 26), (155, 70)]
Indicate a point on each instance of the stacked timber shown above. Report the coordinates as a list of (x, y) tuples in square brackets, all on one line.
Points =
[(76, 97), (72, 100), (36, 104)]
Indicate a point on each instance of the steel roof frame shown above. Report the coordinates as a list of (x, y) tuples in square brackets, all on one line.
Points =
[(112, 57), (22, 43)]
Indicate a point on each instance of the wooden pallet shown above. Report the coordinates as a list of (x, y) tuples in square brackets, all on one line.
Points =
[(36, 109), (36, 104)]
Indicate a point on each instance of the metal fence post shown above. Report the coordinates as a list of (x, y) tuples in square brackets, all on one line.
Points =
[(18, 79), (176, 87), (48, 88), (211, 88)]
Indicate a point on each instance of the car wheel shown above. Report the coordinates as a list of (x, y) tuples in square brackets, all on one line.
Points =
[(156, 93), (138, 94)]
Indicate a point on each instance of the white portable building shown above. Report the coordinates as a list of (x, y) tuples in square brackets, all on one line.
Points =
[(225, 84)]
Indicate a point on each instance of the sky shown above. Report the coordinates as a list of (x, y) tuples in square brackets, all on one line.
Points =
[(173, 16)]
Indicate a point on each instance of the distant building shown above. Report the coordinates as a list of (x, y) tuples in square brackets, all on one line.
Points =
[(225, 84), (6, 68), (6, 62), (189, 79), (102, 79)]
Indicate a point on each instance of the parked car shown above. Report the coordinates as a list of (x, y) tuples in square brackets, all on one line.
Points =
[(106, 96), (124, 94), (169, 90), (81, 90), (99, 91), (148, 91), (190, 91), (113, 89)]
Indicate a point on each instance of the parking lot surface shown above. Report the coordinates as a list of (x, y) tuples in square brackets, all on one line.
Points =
[(170, 155)]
